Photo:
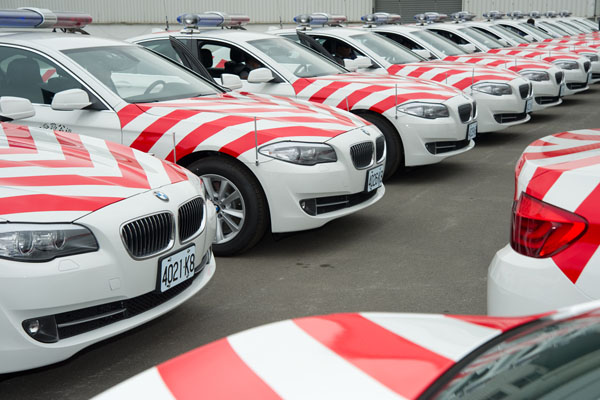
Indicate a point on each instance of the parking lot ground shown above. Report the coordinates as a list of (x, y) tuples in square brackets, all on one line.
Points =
[(424, 247)]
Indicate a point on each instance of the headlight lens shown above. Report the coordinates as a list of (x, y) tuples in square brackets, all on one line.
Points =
[(537, 76), (495, 89), (566, 64), (591, 56), (300, 152), (425, 110), (44, 242)]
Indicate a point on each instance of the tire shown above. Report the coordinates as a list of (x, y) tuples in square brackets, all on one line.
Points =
[(394, 149), (242, 220)]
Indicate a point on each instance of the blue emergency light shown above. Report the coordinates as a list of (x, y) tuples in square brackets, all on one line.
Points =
[(551, 14), (430, 17), (213, 19), (535, 14), (319, 18), (494, 15), (381, 18), (462, 16), (516, 14), (42, 18), (565, 13)]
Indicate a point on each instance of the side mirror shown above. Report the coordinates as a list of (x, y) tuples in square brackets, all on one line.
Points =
[(350, 65), (69, 100), (231, 81), (469, 47), (363, 62), (504, 42), (13, 108), (426, 54), (260, 75)]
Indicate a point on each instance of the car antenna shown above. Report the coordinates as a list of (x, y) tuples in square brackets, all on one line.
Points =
[(280, 23), (255, 142), (166, 16), (174, 149)]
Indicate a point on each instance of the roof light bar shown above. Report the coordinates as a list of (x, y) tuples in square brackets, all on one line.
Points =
[(213, 19), (320, 18), (494, 15), (381, 18), (565, 13), (550, 14), (515, 14), (462, 16), (535, 14), (430, 17), (42, 18)]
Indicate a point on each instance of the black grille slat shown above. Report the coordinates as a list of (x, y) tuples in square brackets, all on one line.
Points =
[(445, 147), (524, 91), (379, 148), (474, 109), (559, 76), (587, 65), (148, 235), (362, 154), (576, 85), (546, 99), (334, 203), (191, 215), (464, 112), (509, 117)]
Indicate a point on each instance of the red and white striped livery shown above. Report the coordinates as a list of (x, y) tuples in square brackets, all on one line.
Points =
[(374, 356), (90, 232), (553, 259)]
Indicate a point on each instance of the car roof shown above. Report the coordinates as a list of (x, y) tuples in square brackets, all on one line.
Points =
[(57, 40), (229, 34)]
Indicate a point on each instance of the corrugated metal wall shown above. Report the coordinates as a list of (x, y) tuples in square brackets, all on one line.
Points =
[(154, 11), (408, 9), (584, 8)]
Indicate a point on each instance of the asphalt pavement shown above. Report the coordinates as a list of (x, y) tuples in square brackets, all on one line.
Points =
[(425, 247)]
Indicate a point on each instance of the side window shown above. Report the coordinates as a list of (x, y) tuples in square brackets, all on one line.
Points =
[(221, 58), (515, 30), (404, 41), (451, 36), (29, 75), (485, 32), (338, 48), (163, 46)]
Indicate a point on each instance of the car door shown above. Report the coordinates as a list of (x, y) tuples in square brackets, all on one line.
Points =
[(34, 76)]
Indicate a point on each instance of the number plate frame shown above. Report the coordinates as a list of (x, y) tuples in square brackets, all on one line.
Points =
[(377, 174), (528, 106), (472, 130), (165, 262)]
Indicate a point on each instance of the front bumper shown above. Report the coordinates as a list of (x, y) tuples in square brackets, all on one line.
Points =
[(286, 185), (93, 280), (576, 81), (548, 93), (520, 285), (418, 134)]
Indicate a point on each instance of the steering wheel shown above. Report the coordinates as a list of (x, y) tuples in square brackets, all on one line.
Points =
[(153, 85), (301, 68)]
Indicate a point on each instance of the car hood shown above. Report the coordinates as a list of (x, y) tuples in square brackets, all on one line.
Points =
[(515, 64), (52, 176), (458, 75), (540, 54), (564, 170), (232, 115), (358, 355)]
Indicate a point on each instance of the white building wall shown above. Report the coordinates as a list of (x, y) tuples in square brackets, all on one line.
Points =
[(154, 11), (583, 8)]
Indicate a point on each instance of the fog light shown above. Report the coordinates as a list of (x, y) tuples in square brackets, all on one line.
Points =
[(42, 329), (309, 206)]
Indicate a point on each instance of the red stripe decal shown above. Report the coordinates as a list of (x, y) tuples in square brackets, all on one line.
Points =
[(301, 84), (48, 74), (46, 202), (389, 102), (324, 93), (358, 95), (214, 371), (501, 323), (155, 131), (129, 113), (401, 365)]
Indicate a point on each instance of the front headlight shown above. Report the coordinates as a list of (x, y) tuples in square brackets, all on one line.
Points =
[(537, 76), (566, 64), (44, 242), (425, 110), (300, 152), (591, 56), (495, 89)]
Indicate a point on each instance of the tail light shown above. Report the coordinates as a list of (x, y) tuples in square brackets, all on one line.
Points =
[(542, 230)]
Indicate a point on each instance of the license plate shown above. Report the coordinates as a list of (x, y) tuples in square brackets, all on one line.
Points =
[(529, 105), (472, 130), (176, 268), (589, 77), (374, 178), (561, 90)]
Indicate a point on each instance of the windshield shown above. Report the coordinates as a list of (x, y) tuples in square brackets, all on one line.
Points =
[(535, 31), (575, 27), (503, 32), (482, 38), (439, 43), (556, 360), (296, 58), (554, 28), (387, 49), (139, 76)]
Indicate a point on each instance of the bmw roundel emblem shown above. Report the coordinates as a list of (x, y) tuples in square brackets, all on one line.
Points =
[(161, 196), (366, 132)]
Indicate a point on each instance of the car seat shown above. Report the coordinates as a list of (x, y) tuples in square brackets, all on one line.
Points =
[(23, 79)]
